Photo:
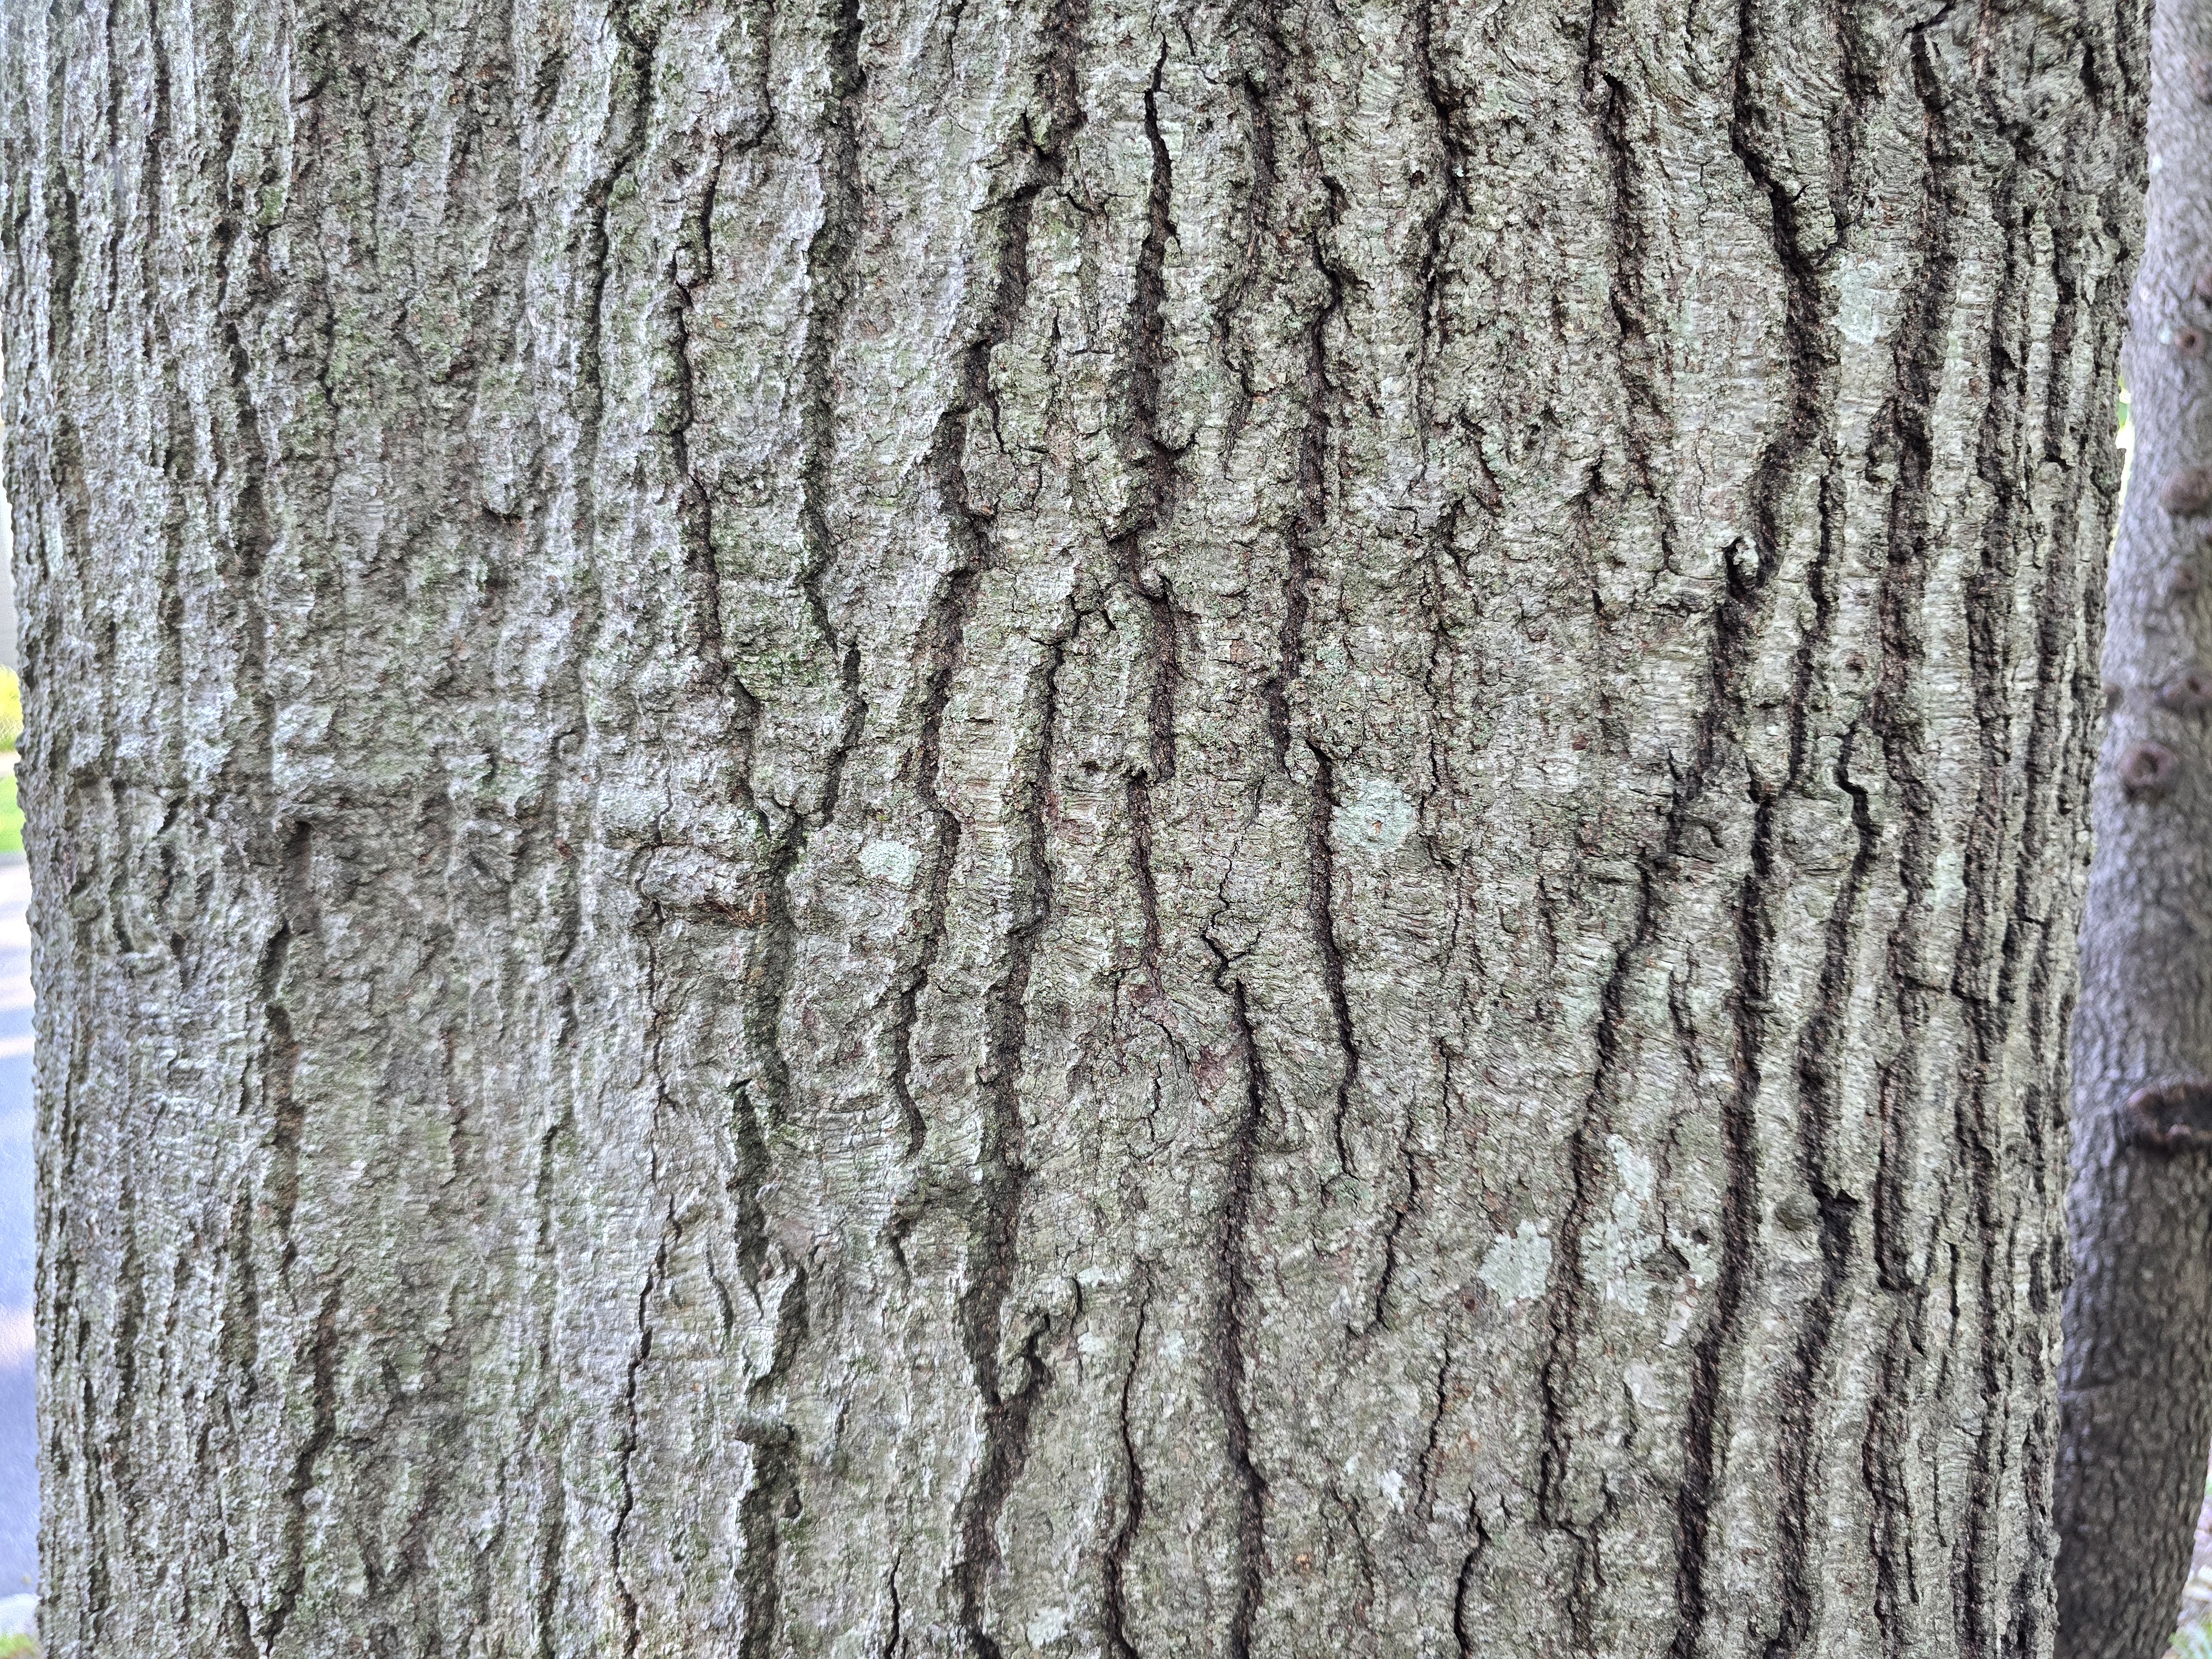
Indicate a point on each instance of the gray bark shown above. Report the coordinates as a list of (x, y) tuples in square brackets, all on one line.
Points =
[(2136, 1381), (880, 829)]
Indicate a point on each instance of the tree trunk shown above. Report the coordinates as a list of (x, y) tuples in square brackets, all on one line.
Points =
[(2135, 1387), (876, 830)]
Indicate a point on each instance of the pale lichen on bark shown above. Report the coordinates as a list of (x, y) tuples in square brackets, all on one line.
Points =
[(876, 831)]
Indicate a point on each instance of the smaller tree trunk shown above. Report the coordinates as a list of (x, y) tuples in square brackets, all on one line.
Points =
[(2135, 1384)]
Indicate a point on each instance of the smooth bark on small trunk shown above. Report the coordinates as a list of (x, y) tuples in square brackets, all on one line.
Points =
[(2136, 1382), (883, 828)]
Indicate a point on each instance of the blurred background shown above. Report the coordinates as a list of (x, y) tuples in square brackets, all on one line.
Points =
[(18, 1478)]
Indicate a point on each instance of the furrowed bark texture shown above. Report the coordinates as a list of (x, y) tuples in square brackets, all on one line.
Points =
[(875, 829), (2135, 1386)]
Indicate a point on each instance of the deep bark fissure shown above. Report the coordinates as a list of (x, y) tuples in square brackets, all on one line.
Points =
[(775, 1452), (1150, 513), (1257, 115), (632, 1434), (829, 258), (1401, 1211), (1132, 1517), (1310, 513), (1892, 714), (1005, 1175), (322, 1364), (1461, 1634), (1233, 1300), (1309, 524), (1006, 1416), (1451, 198)]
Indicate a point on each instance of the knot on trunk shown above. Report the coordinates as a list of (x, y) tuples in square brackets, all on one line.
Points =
[(2187, 492), (2169, 1117), (2147, 770), (2188, 692)]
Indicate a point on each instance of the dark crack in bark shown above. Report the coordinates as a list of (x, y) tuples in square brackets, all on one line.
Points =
[(1156, 460), (322, 1358), (1132, 1517), (1231, 1310), (994, 1251)]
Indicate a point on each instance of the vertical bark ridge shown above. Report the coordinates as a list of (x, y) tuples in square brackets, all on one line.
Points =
[(1447, 99), (545, 1602), (1739, 622), (1900, 731), (1004, 1414), (1310, 525), (830, 253), (1804, 442), (1893, 716), (944, 632), (322, 1361), (897, 1630), (1255, 116), (1004, 1173), (1982, 991)]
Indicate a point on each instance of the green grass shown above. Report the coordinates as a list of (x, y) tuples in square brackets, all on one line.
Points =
[(2194, 1639), (18, 1647)]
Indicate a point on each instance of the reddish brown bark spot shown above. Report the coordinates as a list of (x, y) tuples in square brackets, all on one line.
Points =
[(2185, 580), (2188, 692), (2188, 341), (2170, 1117), (2147, 769), (2187, 492)]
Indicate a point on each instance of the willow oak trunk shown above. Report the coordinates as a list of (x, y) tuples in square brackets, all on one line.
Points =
[(2137, 1383), (921, 830)]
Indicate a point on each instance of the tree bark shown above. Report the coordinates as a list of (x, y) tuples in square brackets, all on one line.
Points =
[(873, 829), (2135, 1387)]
